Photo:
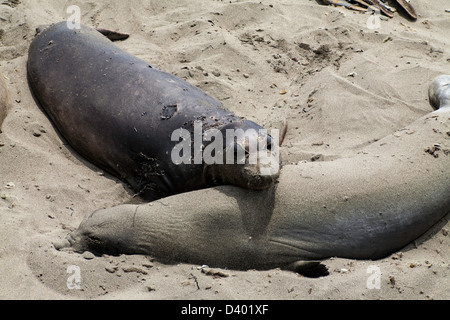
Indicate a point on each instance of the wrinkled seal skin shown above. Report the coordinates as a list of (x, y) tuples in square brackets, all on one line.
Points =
[(364, 207), (119, 112), (3, 101)]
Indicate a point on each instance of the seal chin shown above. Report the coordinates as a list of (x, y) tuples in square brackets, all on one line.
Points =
[(257, 177), (248, 176)]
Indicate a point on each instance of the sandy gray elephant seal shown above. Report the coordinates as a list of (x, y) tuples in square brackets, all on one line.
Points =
[(364, 207), (120, 113), (3, 100)]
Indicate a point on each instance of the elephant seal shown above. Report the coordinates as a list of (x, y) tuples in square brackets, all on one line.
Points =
[(364, 207), (121, 114), (3, 100)]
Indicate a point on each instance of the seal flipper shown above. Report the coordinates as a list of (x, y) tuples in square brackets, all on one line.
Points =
[(113, 35)]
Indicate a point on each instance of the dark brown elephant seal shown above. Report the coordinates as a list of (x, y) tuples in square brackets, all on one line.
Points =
[(439, 93), (3, 100), (364, 207), (121, 113)]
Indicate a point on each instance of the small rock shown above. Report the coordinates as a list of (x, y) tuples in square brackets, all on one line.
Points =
[(134, 269), (10, 185), (61, 244), (214, 273), (111, 269)]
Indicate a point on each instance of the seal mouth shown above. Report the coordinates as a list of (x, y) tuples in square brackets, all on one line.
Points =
[(244, 176), (245, 172), (257, 179)]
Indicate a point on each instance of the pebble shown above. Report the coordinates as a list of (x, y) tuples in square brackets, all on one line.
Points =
[(61, 244), (37, 132), (111, 269), (10, 185), (134, 269)]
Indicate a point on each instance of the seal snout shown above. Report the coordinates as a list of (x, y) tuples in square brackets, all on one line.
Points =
[(256, 163)]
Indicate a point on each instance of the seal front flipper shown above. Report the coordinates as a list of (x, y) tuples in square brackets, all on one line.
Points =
[(113, 35)]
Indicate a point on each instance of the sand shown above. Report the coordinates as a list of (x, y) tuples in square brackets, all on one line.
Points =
[(340, 84)]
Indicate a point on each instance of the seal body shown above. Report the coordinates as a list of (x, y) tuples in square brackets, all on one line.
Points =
[(364, 207), (119, 112)]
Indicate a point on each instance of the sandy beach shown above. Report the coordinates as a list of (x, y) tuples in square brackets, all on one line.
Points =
[(341, 84)]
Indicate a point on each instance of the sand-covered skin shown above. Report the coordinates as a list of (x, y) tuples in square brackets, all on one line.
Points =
[(340, 85)]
